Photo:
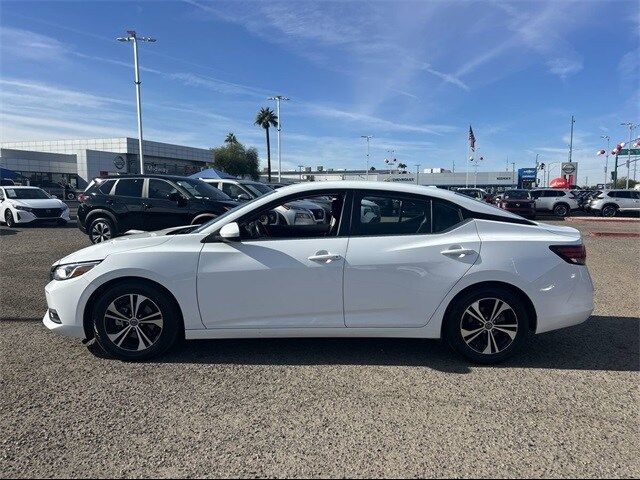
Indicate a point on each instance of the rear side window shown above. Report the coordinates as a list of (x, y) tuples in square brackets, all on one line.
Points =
[(106, 186), (613, 194), (445, 216), (626, 194), (160, 189), (391, 215), (131, 187)]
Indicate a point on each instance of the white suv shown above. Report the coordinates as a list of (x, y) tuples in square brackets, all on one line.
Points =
[(558, 201), (609, 202)]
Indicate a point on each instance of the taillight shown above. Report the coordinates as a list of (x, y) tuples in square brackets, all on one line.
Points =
[(82, 197), (574, 254)]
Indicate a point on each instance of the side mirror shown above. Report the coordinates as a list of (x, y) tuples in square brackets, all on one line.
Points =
[(243, 197), (231, 232)]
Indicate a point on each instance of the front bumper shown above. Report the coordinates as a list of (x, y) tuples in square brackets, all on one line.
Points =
[(68, 299), (23, 216)]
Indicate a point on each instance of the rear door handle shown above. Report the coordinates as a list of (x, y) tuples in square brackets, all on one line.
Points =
[(324, 257), (458, 252)]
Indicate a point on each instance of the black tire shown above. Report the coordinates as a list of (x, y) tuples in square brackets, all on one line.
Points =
[(122, 340), (609, 211), (502, 342), (8, 218), (561, 210), (101, 229)]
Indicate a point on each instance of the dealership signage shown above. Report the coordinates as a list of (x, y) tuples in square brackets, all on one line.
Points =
[(570, 172), (119, 162)]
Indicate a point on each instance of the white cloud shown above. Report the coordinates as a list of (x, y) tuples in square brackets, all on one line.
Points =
[(564, 67), (27, 45)]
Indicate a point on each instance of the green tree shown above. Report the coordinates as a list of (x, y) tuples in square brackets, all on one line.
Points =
[(622, 183), (231, 138), (264, 119), (235, 159)]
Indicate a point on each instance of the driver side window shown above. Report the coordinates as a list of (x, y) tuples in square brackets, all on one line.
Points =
[(160, 189), (308, 216)]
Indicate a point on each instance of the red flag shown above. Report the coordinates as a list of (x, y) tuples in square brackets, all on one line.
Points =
[(472, 140)]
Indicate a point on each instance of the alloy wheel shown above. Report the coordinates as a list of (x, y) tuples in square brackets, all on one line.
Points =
[(608, 211), (561, 211), (133, 322), (100, 231), (8, 218), (489, 326)]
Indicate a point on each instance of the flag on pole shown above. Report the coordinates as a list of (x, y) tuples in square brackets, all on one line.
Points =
[(601, 152), (472, 139)]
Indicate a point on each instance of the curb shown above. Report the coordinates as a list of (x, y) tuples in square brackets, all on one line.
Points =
[(614, 234), (603, 219)]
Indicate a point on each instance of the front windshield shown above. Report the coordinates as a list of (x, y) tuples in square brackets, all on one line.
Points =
[(517, 195), (204, 226), (26, 194), (200, 189), (258, 189)]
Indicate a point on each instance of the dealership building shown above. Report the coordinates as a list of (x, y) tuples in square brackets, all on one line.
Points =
[(76, 162)]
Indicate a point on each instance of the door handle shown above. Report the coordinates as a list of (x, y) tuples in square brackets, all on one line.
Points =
[(324, 257), (458, 252)]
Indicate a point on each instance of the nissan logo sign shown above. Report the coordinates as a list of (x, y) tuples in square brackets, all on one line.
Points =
[(119, 162), (568, 168)]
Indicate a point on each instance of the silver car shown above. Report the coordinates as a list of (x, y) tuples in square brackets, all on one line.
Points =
[(555, 200), (609, 202)]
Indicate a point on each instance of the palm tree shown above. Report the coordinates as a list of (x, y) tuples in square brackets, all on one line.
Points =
[(231, 138), (267, 118)]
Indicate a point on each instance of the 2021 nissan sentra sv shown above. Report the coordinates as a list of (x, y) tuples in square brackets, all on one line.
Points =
[(438, 265)]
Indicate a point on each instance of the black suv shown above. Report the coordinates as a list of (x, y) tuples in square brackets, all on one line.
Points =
[(112, 205)]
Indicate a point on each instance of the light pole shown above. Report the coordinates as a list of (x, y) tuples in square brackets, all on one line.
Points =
[(573, 120), (606, 162), (417, 173), (632, 127), (513, 172), (300, 167), (367, 137), (133, 37), (279, 98)]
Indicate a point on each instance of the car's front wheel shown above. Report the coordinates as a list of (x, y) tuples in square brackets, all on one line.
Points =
[(135, 321), (487, 325), (8, 218), (100, 230), (561, 210)]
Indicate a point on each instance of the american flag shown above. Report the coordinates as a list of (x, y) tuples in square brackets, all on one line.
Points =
[(472, 139)]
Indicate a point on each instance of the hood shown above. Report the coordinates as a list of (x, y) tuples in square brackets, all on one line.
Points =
[(38, 203), (560, 230), (100, 251)]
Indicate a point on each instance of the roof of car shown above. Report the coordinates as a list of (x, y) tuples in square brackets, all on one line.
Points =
[(21, 187), (146, 175)]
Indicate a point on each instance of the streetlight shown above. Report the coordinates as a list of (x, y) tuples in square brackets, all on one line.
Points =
[(368, 137), (417, 173), (632, 127), (279, 98), (133, 37), (606, 162)]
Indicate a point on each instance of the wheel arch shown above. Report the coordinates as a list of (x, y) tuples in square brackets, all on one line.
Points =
[(520, 294), (101, 212), (86, 314)]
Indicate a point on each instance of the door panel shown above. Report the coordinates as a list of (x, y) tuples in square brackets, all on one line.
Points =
[(399, 281), (272, 283)]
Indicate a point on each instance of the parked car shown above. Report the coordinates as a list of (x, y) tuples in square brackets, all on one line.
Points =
[(30, 205), (560, 202), (302, 211), (6, 182), (449, 269), (609, 202), (519, 202), (110, 206), (65, 192)]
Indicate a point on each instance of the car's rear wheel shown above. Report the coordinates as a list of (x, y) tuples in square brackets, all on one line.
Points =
[(8, 218), (487, 326), (101, 229), (561, 210), (135, 321), (609, 211)]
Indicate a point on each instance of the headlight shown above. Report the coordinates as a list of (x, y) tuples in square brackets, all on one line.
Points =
[(20, 207), (72, 270), (65, 207)]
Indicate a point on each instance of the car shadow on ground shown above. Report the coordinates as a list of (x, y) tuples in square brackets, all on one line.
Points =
[(601, 343), (7, 231)]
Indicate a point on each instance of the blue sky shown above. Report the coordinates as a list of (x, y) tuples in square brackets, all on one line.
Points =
[(412, 74)]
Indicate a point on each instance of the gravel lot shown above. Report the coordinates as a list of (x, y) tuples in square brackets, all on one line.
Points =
[(567, 406)]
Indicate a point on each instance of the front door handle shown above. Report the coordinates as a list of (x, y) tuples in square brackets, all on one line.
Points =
[(324, 257), (458, 252)]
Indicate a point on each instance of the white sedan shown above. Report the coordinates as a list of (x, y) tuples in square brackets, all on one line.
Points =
[(25, 205), (441, 265)]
